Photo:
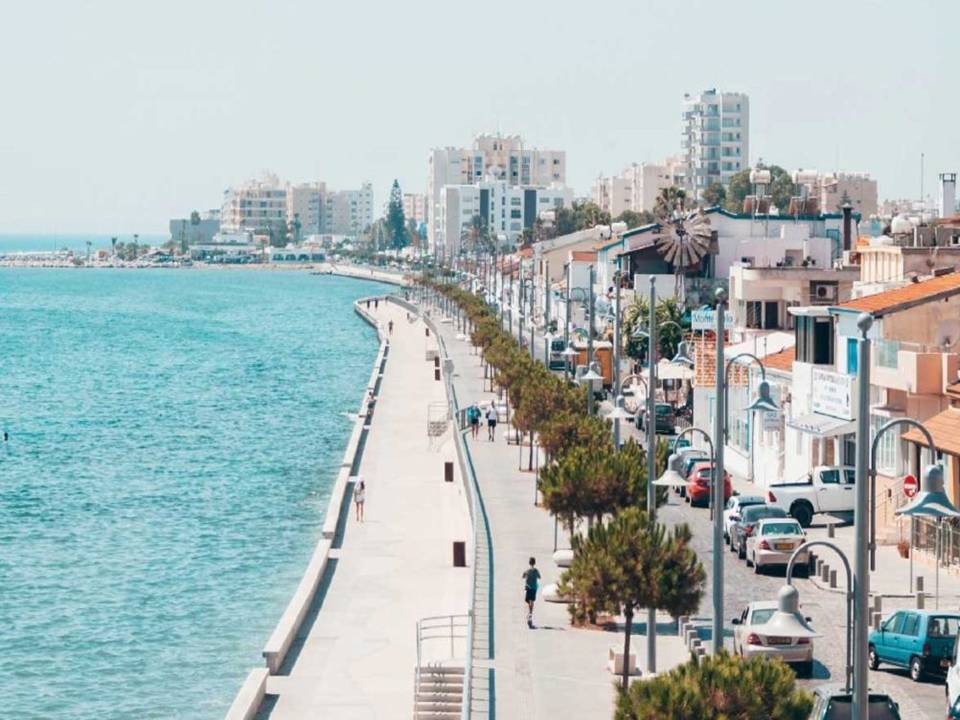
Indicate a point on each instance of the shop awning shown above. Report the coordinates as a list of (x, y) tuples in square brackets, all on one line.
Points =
[(822, 425), (945, 429)]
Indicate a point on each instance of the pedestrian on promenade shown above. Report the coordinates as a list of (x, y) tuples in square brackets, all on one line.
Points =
[(359, 496), (491, 421), (376, 304), (390, 327), (531, 583), (473, 416)]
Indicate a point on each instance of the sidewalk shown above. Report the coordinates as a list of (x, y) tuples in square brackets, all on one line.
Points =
[(356, 657), (555, 670)]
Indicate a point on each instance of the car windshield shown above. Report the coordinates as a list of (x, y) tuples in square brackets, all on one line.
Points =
[(752, 514), (781, 528), (880, 708), (745, 500), (942, 626), (759, 617)]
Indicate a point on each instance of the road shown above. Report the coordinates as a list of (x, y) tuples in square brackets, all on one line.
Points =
[(826, 610)]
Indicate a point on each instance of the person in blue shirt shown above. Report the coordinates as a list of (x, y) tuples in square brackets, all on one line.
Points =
[(531, 583)]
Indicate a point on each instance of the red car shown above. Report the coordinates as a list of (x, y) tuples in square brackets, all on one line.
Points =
[(698, 484)]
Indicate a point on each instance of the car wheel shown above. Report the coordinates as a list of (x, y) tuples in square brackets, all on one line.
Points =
[(749, 560), (916, 669), (873, 658), (756, 568), (802, 513), (741, 552)]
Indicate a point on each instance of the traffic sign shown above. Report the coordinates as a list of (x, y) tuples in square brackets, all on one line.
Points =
[(910, 486)]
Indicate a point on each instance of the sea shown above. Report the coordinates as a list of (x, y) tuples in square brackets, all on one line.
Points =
[(173, 436), (42, 242)]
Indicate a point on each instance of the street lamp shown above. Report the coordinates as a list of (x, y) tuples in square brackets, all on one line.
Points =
[(848, 670), (617, 414), (672, 477), (590, 376), (568, 354)]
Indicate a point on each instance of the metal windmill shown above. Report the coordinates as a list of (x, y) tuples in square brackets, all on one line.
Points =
[(683, 240)]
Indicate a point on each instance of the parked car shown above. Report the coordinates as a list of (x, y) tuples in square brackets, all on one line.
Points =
[(744, 527), (557, 360), (691, 456), (921, 640), (773, 541), (699, 481), (750, 638), (731, 513), (665, 419), (825, 489), (832, 702), (953, 711)]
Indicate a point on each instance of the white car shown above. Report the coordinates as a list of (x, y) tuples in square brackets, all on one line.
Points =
[(749, 638), (773, 542), (731, 513)]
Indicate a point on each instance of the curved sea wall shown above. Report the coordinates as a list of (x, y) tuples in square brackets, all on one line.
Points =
[(248, 700)]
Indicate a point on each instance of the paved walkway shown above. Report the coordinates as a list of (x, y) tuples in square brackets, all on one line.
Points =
[(555, 670), (358, 655)]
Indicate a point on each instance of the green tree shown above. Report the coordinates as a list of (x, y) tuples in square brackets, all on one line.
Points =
[(580, 216), (737, 190), (670, 199), (635, 219), (717, 687), (277, 230), (295, 226), (781, 187), (713, 195), (630, 563), (396, 223), (637, 316), (194, 218)]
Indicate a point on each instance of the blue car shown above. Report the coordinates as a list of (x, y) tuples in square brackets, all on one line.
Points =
[(920, 640), (953, 712)]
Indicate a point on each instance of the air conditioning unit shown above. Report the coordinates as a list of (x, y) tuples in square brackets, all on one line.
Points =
[(822, 292)]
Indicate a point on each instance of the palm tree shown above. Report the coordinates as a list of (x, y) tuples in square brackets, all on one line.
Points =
[(670, 199)]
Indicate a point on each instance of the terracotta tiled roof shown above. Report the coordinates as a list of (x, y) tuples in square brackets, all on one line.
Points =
[(583, 255), (945, 429), (884, 303), (782, 360)]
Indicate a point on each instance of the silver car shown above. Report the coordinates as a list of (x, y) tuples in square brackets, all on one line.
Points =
[(749, 638), (774, 541)]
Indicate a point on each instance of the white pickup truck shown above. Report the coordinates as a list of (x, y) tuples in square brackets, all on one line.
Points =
[(824, 489)]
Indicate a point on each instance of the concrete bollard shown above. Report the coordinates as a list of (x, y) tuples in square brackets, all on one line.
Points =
[(919, 583), (919, 601), (878, 603), (831, 530), (813, 559), (819, 568), (876, 620), (701, 651), (825, 572), (833, 579)]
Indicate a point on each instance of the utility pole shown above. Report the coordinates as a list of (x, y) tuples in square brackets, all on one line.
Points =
[(718, 473), (651, 452)]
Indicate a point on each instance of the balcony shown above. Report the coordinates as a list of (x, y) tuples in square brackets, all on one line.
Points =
[(912, 367)]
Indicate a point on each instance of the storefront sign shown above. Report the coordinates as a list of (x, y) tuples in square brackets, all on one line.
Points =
[(833, 393), (706, 319), (771, 419)]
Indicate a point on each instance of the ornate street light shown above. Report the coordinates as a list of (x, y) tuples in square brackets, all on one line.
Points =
[(671, 477), (617, 414), (787, 620), (763, 401)]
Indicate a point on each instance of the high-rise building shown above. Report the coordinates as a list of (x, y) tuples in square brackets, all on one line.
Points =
[(502, 209), (255, 205), (415, 207), (502, 157), (635, 189), (305, 202), (348, 212), (715, 139)]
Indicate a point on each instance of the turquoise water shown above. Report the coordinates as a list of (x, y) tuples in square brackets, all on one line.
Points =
[(37, 242), (173, 439)]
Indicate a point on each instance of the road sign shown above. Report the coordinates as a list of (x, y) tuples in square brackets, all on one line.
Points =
[(706, 319), (910, 486)]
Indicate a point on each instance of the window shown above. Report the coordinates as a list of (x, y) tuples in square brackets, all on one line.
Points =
[(516, 201), (887, 353), (516, 214), (814, 340), (852, 357), (911, 625), (886, 447)]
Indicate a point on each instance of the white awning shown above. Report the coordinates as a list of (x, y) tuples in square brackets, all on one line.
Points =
[(822, 425)]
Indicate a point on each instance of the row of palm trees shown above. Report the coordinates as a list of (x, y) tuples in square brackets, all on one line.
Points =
[(624, 561)]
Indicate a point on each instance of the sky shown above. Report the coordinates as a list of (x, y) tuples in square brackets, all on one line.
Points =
[(116, 115)]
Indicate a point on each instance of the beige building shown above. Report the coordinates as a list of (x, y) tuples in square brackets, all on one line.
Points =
[(635, 188), (305, 202), (415, 207), (859, 188), (254, 205)]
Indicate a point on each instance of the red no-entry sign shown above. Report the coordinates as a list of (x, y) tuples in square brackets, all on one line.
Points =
[(910, 486)]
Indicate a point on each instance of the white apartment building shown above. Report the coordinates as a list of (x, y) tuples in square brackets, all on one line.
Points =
[(347, 212), (415, 207), (715, 139), (305, 201), (504, 209), (254, 205), (504, 157), (636, 188)]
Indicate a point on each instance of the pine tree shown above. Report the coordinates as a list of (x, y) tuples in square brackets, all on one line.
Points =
[(396, 223)]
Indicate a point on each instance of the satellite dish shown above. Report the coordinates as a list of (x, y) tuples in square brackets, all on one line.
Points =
[(948, 333)]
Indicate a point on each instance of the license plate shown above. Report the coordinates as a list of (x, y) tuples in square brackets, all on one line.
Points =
[(778, 641), (783, 546)]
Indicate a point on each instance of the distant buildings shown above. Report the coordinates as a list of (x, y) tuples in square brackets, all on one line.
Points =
[(501, 157), (258, 205), (637, 187), (715, 139), (415, 207), (502, 209), (196, 229), (859, 189)]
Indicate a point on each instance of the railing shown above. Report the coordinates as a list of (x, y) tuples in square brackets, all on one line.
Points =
[(442, 627)]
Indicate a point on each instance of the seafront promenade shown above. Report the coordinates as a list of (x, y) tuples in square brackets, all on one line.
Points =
[(355, 654)]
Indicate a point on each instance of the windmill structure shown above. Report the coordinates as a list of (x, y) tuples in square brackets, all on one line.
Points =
[(683, 240)]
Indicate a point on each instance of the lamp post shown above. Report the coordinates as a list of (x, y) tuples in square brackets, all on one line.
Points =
[(651, 458), (590, 324), (589, 377), (848, 669), (616, 415), (568, 354), (861, 560)]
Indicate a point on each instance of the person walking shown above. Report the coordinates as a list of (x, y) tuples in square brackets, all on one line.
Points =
[(491, 421), (531, 583), (473, 417), (390, 327), (359, 497)]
